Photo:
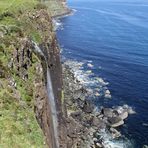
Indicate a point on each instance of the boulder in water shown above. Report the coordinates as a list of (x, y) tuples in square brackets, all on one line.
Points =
[(115, 133), (107, 112), (115, 121), (90, 65), (123, 115), (107, 94), (98, 145)]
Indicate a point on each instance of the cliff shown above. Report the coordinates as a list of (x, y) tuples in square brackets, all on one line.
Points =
[(42, 103), (30, 75)]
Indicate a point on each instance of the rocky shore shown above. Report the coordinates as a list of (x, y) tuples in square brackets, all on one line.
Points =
[(86, 126)]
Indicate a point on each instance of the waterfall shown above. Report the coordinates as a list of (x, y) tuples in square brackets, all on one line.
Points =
[(50, 97), (53, 107)]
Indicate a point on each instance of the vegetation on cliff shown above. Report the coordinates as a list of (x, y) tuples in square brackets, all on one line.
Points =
[(22, 21), (18, 125)]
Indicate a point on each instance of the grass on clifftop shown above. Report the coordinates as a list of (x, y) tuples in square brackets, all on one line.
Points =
[(16, 5), (18, 125), (13, 16)]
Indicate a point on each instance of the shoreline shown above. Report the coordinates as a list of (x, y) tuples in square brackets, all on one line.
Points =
[(98, 128)]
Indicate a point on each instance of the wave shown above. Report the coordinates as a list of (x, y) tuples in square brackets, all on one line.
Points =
[(57, 24), (108, 142), (96, 86)]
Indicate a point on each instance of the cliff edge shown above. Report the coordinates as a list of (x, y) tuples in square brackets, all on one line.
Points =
[(30, 75)]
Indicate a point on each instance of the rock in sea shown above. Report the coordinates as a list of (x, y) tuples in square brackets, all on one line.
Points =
[(115, 121), (107, 112), (123, 115)]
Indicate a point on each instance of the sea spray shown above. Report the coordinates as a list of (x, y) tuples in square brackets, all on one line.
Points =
[(96, 86), (108, 142)]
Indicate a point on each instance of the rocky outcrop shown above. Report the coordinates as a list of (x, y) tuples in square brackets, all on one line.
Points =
[(93, 124), (22, 58)]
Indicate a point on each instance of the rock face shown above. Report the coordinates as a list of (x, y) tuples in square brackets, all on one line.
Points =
[(52, 54), (22, 58)]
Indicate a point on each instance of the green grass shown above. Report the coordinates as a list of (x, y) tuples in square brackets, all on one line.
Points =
[(54, 7), (16, 5), (13, 15), (18, 125)]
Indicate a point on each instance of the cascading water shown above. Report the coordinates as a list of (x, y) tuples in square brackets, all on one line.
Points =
[(53, 107), (50, 97)]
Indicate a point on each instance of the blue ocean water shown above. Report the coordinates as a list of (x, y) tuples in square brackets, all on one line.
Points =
[(113, 34)]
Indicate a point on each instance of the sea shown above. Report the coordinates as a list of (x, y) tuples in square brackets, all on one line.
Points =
[(105, 42)]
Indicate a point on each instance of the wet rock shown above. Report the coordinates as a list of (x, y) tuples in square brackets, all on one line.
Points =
[(96, 121), (98, 145), (107, 112), (95, 139), (90, 65), (91, 131), (115, 121), (88, 107), (128, 109), (100, 116), (115, 133), (107, 94), (119, 110), (123, 115), (97, 94)]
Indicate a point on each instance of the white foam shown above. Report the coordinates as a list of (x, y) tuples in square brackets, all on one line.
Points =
[(109, 142), (125, 107), (129, 109), (57, 24), (90, 65), (107, 94), (96, 86)]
